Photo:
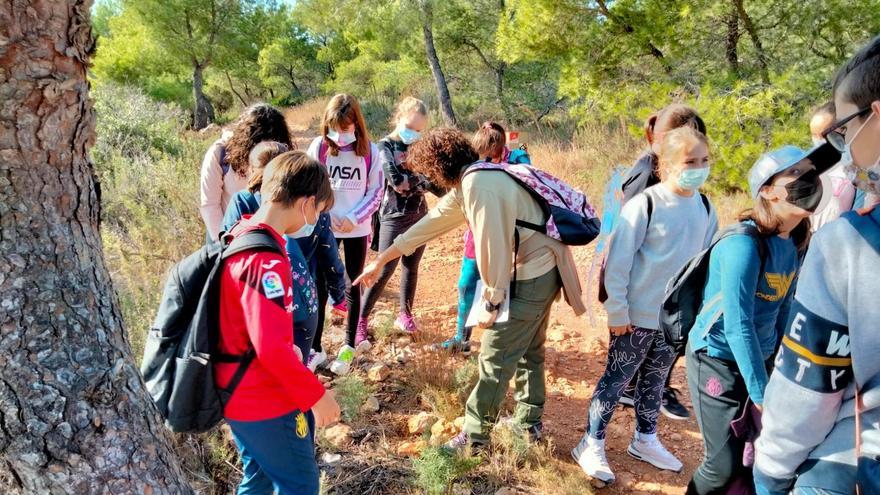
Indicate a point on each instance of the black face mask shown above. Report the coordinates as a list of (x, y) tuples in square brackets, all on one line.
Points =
[(805, 192)]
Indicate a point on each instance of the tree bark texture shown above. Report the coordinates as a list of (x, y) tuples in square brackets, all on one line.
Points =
[(756, 40), (74, 413), (436, 68), (203, 111)]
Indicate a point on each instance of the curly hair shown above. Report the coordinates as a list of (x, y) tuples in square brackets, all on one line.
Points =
[(441, 155), (259, 122)]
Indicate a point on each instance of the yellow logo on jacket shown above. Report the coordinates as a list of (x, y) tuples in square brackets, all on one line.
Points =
[(780, 283), (302, 426)]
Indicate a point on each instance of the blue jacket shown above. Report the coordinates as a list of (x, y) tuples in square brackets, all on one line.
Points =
[(318, 249), (747, 308)]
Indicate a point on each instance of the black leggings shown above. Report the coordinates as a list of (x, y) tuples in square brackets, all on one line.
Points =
[(354, 249), (323, 296), (389, 229)]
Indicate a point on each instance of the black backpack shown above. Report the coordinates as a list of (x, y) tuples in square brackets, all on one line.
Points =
[(684, 292), (180, 352)]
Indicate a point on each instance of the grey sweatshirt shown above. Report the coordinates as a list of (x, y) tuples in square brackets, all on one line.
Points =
[(643, 256), (830, 346)]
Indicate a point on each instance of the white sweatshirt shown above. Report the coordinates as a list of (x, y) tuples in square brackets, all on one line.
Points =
[(216, 188), (357, 189)]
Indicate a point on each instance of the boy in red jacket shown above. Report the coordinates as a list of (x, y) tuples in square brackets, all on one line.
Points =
[(278, 403)]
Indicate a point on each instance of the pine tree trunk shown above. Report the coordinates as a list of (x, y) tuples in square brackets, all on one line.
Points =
[(203, 111), (756, 40), (732, 41), (74, 414), (436, 68)]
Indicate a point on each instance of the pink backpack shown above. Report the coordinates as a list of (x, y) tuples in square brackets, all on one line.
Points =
[(570, 217)]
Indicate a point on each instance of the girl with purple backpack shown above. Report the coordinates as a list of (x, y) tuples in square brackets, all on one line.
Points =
[(357, 181)]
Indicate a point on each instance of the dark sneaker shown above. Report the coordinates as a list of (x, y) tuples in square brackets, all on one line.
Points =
[(628, 398), (535, 433), (671, 407)]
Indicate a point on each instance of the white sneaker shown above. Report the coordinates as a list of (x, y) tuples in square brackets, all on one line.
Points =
[(590, 456), (316, 360), (342, 364), (649, 449)]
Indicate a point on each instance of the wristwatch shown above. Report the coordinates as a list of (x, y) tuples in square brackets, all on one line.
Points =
[(491, 308)]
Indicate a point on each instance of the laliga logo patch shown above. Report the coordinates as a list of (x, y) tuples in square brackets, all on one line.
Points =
[(272, 286)]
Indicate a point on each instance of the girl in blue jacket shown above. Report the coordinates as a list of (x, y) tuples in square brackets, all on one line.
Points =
[(745, 307)]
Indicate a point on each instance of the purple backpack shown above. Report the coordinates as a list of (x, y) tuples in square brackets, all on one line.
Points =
[(570, 217)]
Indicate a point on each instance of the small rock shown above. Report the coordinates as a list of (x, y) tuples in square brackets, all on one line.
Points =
[(597, 483), (626, 479), (420, 423), (441, 432), (371, 405), (411, 449), (378, 372), (675, 437), (329, 458), (339, 435)]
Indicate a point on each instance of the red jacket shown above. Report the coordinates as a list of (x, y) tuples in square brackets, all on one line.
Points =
[(256, 305)]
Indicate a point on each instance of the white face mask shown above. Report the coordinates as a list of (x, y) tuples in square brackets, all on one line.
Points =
[(864, 178), (341, 139), (308, 228)]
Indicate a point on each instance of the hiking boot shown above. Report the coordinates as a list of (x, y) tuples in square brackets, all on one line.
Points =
[(362, 336), (342, 364), (316, 359), (455, 345), (649, 449), (535, 433), (671, 407), (460, 444), (339, 309), (590, 456), (406, 323), (628, 397)]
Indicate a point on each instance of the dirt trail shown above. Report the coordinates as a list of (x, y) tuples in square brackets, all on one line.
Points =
[(576, 354)]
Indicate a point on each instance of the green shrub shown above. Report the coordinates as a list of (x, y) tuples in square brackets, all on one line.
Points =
[(437, 468), (351, 394)]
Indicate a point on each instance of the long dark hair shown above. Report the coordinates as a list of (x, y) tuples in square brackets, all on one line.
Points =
[(768, 224), (259, 122)]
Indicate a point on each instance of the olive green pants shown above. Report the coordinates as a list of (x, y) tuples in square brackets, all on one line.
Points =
[(514, 349)]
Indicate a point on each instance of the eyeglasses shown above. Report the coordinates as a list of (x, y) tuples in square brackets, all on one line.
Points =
[(835, 136)]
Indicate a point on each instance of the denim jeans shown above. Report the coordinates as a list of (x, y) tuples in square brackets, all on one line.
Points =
[(277, 455)]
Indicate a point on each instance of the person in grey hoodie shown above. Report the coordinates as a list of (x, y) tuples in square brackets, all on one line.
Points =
[(822, 404)]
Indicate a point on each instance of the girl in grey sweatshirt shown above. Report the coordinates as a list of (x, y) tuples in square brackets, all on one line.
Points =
[(658, 232)]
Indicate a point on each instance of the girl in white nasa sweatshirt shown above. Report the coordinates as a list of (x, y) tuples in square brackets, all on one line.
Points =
[(357, 180)]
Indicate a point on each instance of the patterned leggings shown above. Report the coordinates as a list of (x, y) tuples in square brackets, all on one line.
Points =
[(645, 353)]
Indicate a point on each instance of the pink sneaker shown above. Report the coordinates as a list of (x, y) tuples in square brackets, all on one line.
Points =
[(362, 336), (406, 323), (340, 309)]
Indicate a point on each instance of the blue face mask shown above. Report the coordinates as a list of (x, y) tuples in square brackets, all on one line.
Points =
[(407, 135), (693, 178), (308, 228)]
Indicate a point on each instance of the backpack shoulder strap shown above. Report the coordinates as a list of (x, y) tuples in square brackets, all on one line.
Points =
[(258, 240), (706, 203), (224, 165), (322, 151)]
